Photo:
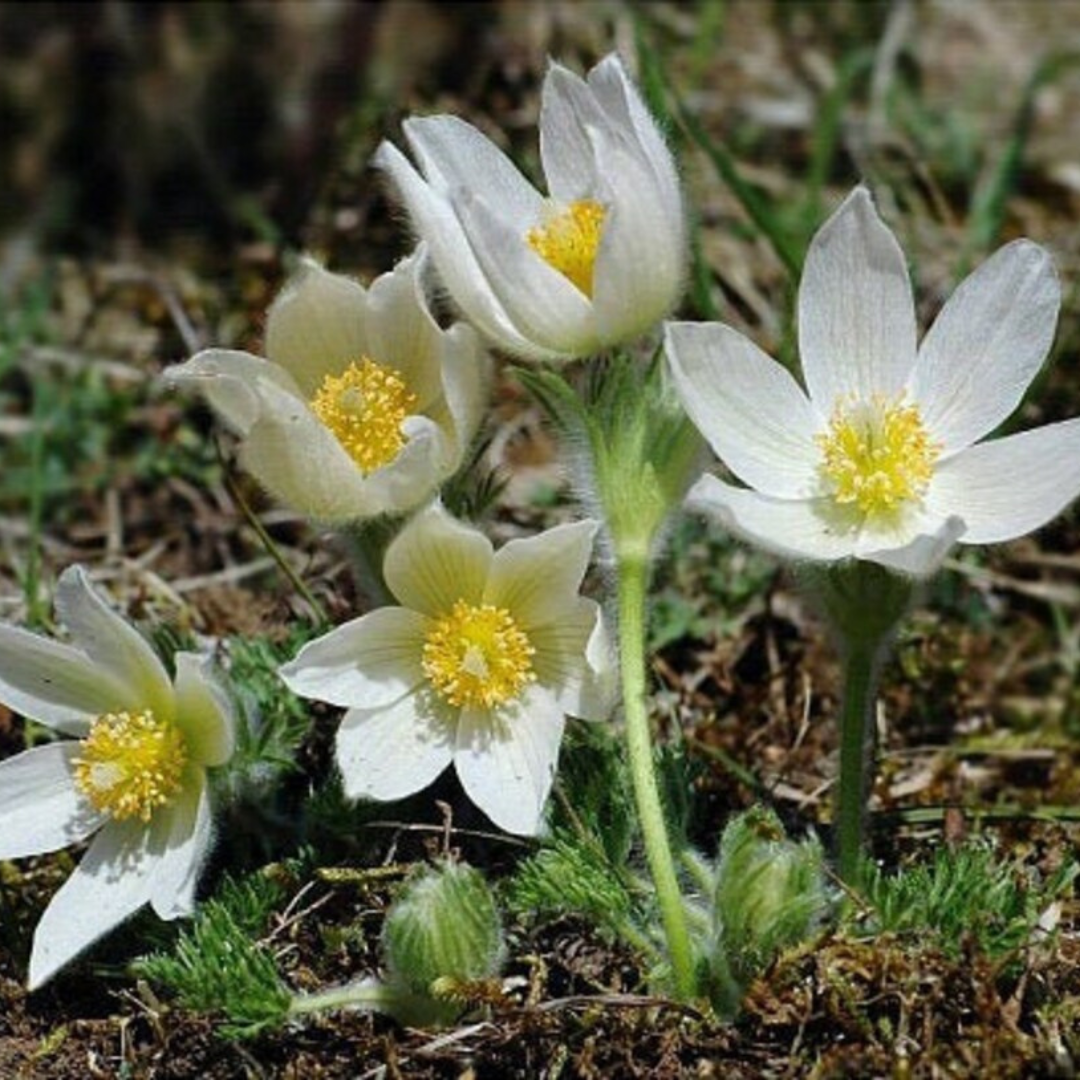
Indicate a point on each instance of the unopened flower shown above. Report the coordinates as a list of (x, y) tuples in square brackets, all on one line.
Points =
[(134, 773), (487, 654), (595, 263), (363, 407), (880, 458)]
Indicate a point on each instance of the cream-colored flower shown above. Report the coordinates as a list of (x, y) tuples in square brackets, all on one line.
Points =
[(363, 407), (880, 457), (134, 773), (597, 263), (478, 667)]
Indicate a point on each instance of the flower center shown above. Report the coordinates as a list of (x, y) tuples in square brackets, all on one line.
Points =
[(477, 655), (568, 240), (364, 408), (131, 763), (877, 454)]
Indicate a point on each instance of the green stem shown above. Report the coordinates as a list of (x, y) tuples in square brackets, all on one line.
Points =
[(856, 756), (632, 575), (364, 994)]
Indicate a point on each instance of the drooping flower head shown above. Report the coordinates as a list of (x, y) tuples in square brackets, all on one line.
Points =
[(880, 457), (596, 262), (363, 407), (134, 772), (479, 666)]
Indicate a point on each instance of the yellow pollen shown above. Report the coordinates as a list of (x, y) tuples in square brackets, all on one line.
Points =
[(131, 764), (477, 655), (569, 240), (877, 455), (364, 408)]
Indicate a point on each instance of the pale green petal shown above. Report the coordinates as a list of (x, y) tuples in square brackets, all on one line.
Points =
[(435, 561), (316, 326), (537, 578), (401, 331), (575, 661), (203, 711)]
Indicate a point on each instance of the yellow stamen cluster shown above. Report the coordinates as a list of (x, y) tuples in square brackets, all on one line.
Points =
[(131, 764), (477, 656), (569, 241), (364, 408), (877, 455)]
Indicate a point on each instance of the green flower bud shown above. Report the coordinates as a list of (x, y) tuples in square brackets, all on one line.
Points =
[(443, 930), (770, 893)]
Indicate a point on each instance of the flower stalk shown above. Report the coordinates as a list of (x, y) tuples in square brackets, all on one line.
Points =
[(641, 452), (864, 604), (632, 574)]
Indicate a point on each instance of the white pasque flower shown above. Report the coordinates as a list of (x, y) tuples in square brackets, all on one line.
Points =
[(135, 772), (363, 407), (597, 263), (880, 458), (478, 667)]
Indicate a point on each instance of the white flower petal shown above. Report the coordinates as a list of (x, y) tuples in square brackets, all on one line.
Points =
[(55, 684), (545, 307), (987, 345), (230, 381), (574, 660), (567, 107), (640, 230), (453, 154), (537, 578), (368, 663), (625, 112), (917, 546), (315, 326), (435, 561), (789, 528), (753, 413), (112, 643), (181, 833), (506, 763), (389, 753), (111, 883), (203, 711), (457, 265), (40, 808), (856, 313), (466, 371), (1008, 487)]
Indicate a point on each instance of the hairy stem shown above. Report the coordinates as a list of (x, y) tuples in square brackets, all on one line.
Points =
[(632, 574), (856, 756)]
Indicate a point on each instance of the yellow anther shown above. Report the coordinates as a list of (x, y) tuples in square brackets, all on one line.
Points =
[(877, 455), (130, 764), (569, 240), (477, 655), (364, 407)]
